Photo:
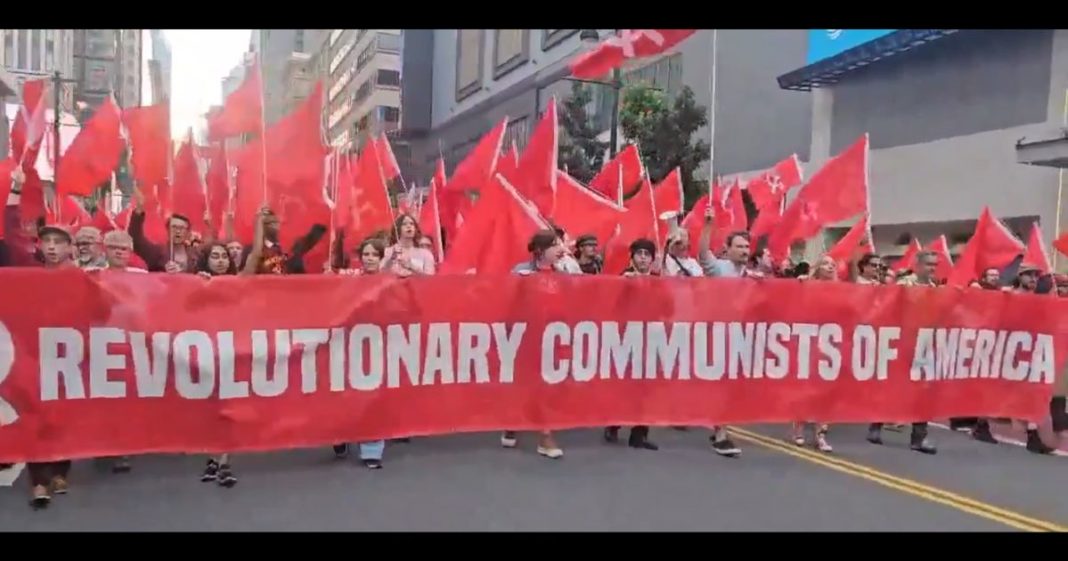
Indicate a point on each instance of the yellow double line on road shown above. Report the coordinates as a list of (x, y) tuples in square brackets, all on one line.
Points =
[(908, 486)]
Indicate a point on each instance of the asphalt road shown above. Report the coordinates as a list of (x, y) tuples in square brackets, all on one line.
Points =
[(467, 482)]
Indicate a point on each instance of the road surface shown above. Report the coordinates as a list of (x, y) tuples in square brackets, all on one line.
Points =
[(467, 482)]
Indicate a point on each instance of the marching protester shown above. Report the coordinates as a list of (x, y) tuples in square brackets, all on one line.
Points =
[(826, 270), (677, 261), (924, 275), (180, 255), (372, 253), (266, 257), (403, 257), (425, 242), (89, 249), (588, 255), (118, 249), (870, 269), (546, 250), (642, 263), (1026, 282), (735, 264)]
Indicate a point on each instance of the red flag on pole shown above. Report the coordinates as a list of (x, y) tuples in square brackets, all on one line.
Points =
[(481, 163), (1036, 254), (94, 154), (908, 259), (149, 130), (764, 189), (187, 192), (430, 220), (629, 44), (390, 167), (945, 260), (625, 169), (581, 211), (217, 181), (850, 247), (991, 246), (242, 111), (536, 176)]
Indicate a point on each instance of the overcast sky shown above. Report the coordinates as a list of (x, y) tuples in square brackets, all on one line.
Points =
[(200, 59)]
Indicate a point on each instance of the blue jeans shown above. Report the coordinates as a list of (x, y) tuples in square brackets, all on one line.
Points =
[(372, 450)]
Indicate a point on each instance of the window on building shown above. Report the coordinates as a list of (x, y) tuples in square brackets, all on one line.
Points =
[(388, 114), (35, 49), (23, 39), (389, 42), (9, 47), (469, 54), (363, 91), (299, 47), (365, 55), (553, 37), (517, 131), (388, 78), (50, 50), (510, 50)]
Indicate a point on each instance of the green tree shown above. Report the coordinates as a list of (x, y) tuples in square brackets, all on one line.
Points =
[(663, 130), (580, 151)]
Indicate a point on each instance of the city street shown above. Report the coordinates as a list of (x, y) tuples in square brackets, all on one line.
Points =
[(468, 482)]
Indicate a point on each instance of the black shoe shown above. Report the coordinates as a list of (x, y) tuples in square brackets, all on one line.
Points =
[(982, 434), (6, 466), (404, 440), (681, 428), (1035, 444), (726, 448), (642, 443), (38, 503), (211, 472), (121, 465), (962, 425), (372, 464), (923, 446), (611, 435), (875, 436), (341, 451), (226, 476)]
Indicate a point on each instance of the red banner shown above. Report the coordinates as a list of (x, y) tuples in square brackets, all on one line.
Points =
[(123, 364)]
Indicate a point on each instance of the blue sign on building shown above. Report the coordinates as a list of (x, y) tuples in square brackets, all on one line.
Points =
[(825, 43)]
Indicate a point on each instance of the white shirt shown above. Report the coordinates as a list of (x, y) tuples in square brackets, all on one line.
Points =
[(672, 269)]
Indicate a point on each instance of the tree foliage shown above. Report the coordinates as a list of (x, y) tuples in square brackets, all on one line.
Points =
[(580, 151), (662, 130)]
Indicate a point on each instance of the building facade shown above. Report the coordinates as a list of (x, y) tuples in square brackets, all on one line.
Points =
[(160, 65), (108, 61), (459, 83), (944, 117), (279, 68), (29, 54), (363, 70)]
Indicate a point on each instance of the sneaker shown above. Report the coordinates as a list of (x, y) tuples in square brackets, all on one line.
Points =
[(726, 448), (41, 498), (923, 446), (121, 465), (553, 453), (508, 439), (798, 436), (59, 485), (982, 434), (875, 436), (226, 476), (211, 472), (341, 451), (1035, 444), (821, 442), (372, 464)]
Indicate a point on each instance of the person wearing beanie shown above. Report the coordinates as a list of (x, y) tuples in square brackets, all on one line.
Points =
[(588, 254)]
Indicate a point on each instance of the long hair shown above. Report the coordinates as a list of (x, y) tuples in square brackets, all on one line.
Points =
[(202, 260), (394, 235), (376, 243)]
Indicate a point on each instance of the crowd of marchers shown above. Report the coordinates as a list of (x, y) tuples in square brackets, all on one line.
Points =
[(405, 251)]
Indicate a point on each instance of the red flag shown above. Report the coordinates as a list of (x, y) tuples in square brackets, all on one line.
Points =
[(580, 211), (94, 154), (668, 195), (495, 233), (122, 219), (508, 163), (1036, 254), (837, 192), (344, 197), (31, 204), (641, 221), (372, 210), (945, 261), (628, 45), (217, 181), (764, 189), (536, 176), (149, 131), (626, 169), (850, 247), (729, 211), (6, 167), (908, 259), (242, 111), (390, 167), (695, 222), (30, 125), (769, 216), (71, 214), (102, 221), (188, 190), (481, 163), (991, 246), (1061, 244), (430, 219)]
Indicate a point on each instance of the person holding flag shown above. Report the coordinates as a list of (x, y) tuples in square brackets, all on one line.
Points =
[(403, 257)]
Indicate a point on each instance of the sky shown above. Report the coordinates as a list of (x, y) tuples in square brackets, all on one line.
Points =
[(200, 58)]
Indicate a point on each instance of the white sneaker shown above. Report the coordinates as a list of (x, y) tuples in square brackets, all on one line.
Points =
[(551, 453), (508, 441)]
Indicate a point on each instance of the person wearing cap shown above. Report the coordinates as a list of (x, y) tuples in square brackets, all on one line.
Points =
[(642, 263), (266, 257), (1026, 279), (588, 255), (89, 249), (118, 249), (923, 275), (54, 243)]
